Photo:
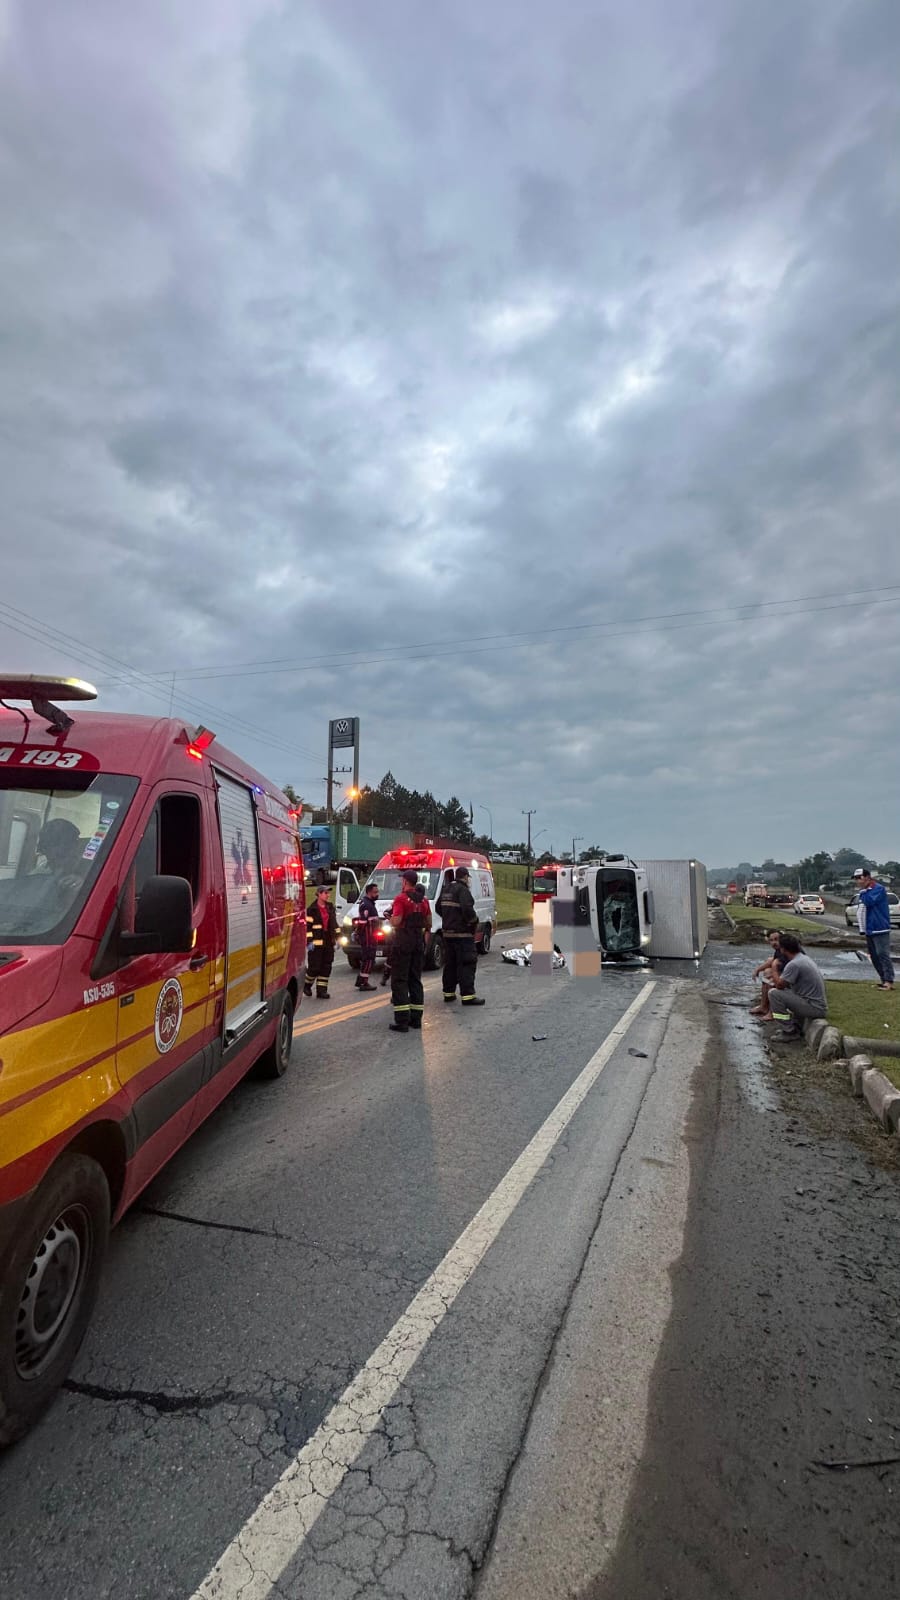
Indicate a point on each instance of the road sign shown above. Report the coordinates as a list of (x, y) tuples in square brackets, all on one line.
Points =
[(343, 733)]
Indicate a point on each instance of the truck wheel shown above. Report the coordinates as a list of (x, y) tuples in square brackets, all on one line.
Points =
[(321, 875), (275, 1062), (485, 944), (435, 954), (49, 1289)]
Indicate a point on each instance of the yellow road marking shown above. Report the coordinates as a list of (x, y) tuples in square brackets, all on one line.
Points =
[(343, 1015), (345, 1012)]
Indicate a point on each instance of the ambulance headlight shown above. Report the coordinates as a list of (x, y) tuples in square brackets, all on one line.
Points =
[(344, 939), (385, 927)]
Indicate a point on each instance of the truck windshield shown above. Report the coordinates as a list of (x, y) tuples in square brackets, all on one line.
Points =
[(544, 884), (53, 842), (390, 883)]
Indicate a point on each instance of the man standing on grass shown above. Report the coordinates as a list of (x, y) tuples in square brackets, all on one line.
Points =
[(873, 896), (801, 990)]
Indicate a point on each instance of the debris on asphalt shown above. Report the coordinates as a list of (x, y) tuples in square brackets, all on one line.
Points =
[(642, 1053), (853, 1466), (538, 1038), (521, 957)]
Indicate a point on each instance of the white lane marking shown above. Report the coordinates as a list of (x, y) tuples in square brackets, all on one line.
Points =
[(274, 1533)]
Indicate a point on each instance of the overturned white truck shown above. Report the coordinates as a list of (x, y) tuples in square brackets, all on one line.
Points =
[(654, 909)]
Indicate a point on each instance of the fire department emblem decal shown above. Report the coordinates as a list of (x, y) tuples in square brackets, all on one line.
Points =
[(169, 1012)]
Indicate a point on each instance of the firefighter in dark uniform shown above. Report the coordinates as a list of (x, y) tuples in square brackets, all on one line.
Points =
[(366, 918), (411, 920), (321, 930), (459, 925)]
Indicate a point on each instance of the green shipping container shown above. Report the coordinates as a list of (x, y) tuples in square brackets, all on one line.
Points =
[(357, 842)]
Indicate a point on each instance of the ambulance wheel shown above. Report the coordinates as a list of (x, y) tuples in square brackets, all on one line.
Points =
[(49, 1289), (275, 1062), (485, 944), (354, 963), (435, 959)]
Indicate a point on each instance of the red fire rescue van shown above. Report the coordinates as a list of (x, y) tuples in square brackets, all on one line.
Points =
[(152, 939)]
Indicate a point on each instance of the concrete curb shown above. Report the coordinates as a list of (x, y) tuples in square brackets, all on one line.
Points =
[(870, 1047), (830, 1044), (856, 1066), (882, 1099), (814, 1030), (867, 1083)]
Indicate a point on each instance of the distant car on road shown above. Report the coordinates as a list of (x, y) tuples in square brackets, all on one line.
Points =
[(809, 905), (851, 907)]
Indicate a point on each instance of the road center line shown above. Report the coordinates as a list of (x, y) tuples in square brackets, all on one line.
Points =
[(275, 1531)]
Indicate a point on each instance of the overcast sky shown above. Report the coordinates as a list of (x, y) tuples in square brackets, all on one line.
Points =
[(336, 334)]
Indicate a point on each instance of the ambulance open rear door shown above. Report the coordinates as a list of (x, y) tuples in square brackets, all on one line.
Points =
[(244, 998)]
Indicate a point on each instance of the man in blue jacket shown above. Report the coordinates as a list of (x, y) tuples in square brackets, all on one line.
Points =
[(873, 896)]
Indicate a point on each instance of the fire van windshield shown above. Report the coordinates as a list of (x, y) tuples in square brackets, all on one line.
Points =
[(53, 842)]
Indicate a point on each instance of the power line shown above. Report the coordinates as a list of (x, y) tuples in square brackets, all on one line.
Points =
[(436, 648), (21, 622), (632, 631)]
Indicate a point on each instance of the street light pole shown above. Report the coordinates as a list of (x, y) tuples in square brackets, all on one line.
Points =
[(578, 838), (490, 821), (529, 815)]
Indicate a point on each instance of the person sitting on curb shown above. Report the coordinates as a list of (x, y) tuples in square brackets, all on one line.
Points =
[(873, 896), (800, 990), (775, 962)]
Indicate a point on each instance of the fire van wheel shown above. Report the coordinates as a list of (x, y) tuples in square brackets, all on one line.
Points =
[(275, 1062), (435, 958), (49, 1289), (485, 944)]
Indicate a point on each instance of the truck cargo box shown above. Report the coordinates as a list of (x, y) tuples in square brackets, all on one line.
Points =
[(679, 929)]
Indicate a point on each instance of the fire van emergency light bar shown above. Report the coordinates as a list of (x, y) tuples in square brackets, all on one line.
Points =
[(40, 693)]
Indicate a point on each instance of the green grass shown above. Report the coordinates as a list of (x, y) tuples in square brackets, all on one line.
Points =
[(513, 906), (508, 876), (777, 917), (862, 1011)]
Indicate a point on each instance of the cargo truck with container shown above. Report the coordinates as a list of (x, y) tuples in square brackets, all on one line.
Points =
[(329, 845), (680, 927)]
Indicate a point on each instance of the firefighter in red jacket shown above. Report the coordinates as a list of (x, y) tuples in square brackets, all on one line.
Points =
[(411, 921), (321, 931)]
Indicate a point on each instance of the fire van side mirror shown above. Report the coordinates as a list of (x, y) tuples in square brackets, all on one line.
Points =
[(163, 919)]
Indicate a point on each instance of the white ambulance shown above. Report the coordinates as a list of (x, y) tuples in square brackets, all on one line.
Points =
[(434, 865)]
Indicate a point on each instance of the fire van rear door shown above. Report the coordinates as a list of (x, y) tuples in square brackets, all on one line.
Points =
[(244, 995)]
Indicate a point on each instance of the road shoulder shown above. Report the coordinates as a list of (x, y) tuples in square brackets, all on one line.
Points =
[(565, 1500)]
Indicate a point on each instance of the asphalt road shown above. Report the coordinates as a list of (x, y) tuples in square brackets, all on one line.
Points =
[(480, 1313), (275, 1254), (837, 921)]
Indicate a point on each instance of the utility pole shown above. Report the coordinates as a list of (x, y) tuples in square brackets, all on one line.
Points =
[(529, 815), (578, 839)]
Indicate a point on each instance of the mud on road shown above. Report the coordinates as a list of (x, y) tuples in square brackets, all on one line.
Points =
[(777, 1390)]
